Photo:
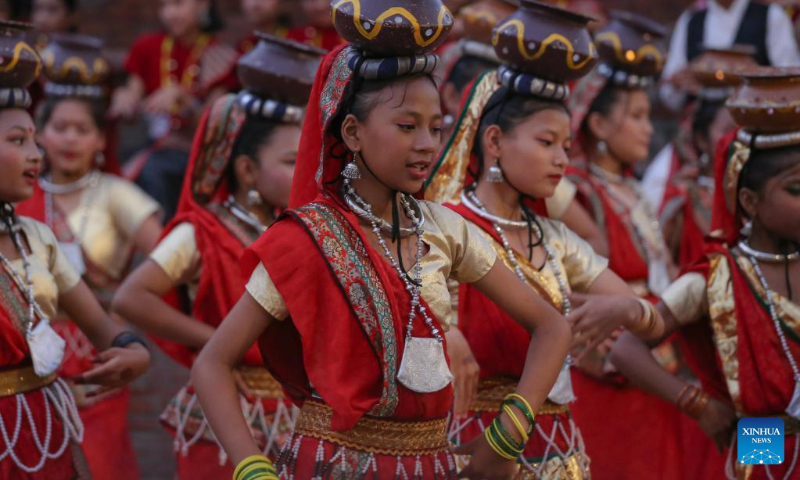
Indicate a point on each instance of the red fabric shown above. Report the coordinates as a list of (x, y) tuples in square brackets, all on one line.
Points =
[(144, 61), (724, 225), (624, 258), (323, 342), (692, 237), (322, 37), (106, 442), (202, 463), (221, 282)]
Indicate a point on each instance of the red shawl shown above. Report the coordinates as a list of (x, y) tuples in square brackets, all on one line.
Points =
[(348, 308), (692, 236)]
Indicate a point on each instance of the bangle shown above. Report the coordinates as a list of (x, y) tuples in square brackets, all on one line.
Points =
[(647, 322), (255, 467), (126, 338), (501, 441), (515, 421), (692, 401), (522, 404)]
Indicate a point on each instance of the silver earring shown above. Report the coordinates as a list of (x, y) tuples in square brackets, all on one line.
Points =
[(495, 174), (254, 198), (100, 159), (602, 147), (351, 171), (747, 229)]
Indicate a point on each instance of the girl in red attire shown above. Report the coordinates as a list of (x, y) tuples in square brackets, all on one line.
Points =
[(41, 427), (239, 177), (355, 340), (736, 309), (173, 75)]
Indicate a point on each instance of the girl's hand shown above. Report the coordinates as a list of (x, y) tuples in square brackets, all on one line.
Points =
[(117, 367), (716, 420), (485, 463), (595, 317), (465, 370)]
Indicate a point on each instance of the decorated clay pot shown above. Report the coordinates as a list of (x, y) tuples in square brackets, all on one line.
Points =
[(718, 67), (545, 41), (19, 62), (479, 19), (279, 69), (73, 59), (768, 100), (632, 42), (383, 28)]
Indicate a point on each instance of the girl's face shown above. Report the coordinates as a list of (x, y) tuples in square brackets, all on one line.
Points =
[(400, 137), (51, 16), (777, 207), (20, 158), (533, 154), (627, 129), (276, 160), (182, 17), (71, 138), (260, 12)]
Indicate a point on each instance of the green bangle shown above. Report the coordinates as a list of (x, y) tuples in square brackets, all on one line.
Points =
[(255, 467), (497, 449), (507, 438), (522, 408)]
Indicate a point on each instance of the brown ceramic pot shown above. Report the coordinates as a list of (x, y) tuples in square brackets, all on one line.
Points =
[(718, 67), (72, 59), (280, 69), (386, 28), (19, 62), (768, 100), (632, 43), (546, 41), (479, 19)]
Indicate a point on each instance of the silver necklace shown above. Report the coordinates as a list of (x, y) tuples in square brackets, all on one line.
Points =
[(423, 368), (606, 175), (244, 215), (794, 405), (64, 188), (562, 392), (362, 209), (767, 257), (92, 180), (469, 201), (45, 345)]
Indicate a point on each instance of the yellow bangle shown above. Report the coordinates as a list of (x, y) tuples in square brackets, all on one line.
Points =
[(516, 421), (524, 402), (494, 446), (255, 467)]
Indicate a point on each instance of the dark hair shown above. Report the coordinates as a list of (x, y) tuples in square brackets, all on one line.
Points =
[(466, 69), (704, 116), (507, 110), (214, 21), (765, 164), (97, 110), (256, 132)]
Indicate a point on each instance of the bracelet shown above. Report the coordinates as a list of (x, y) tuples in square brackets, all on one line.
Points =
[(692, 401), (520, 402), (255, 467), (501, 442), (126, 338), (522, 408), (648, 321), (515, 421)]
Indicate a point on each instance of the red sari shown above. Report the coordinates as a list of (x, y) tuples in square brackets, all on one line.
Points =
[(634, 453), (31, 416), (345, 334), (105, 418)]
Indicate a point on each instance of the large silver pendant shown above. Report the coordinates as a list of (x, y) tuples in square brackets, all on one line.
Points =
[(423, 368), (562, 393), (793, 410), (47, 348)]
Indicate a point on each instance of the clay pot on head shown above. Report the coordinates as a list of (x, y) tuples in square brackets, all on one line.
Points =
[(632, 43), (383, 28), (72, 59), (718, 67), (279, 69), (545, 41), (768, 101), (19, 62), (479, 19)]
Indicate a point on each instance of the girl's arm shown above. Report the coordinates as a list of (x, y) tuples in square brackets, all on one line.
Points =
[(213, 380), (139, 300), (550, 340), (147, 235)]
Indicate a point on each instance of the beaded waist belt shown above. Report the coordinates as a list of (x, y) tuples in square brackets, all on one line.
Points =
[(21, 380), (374, 435), (492, 391), (260, 382)]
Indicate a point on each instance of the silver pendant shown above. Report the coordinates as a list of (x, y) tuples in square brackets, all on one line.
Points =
[(423, 368), (793, 410), (47, 348), (562, 393), (74, 254)]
